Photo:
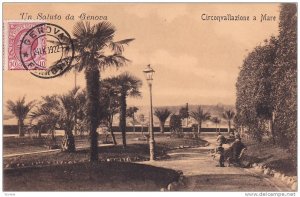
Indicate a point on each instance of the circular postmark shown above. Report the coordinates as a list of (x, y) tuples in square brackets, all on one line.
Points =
[(46, 50)]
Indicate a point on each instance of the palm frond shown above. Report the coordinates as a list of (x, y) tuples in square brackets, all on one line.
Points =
[(103, 34), (162, 114), (199, 115), (19, 108), (228, 115), (118, 47), (116, 60)]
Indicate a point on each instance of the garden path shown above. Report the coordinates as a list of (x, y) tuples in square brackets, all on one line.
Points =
[(201, 173)]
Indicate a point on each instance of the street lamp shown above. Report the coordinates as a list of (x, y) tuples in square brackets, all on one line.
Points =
[(148, 74)]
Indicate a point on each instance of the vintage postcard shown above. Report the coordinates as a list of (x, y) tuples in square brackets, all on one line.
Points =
[(150, 97)]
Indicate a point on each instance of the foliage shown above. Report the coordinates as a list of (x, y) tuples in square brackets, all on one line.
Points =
[(20, 110), (162, 115), (255, 82), (175, 124), (131, 111), (200, 116), (184, 112), (216, 121), (267, 85), (95, 50), (59, 111), (285, 80), (109, 104), (127, 85), (228, 115)]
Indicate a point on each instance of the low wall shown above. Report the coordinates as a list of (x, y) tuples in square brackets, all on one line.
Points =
[(13, 129), (167, 129)]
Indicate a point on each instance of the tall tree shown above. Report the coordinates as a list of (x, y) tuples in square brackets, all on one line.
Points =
[(20, 110), (200, 116), (285, 80), (255, 82), (95, 50), (128, 86), (130, 113), (228, 115), (162, 115), (267, 85)]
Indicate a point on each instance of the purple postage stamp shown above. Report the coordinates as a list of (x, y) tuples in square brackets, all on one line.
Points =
[(16, 31), (44, 49)]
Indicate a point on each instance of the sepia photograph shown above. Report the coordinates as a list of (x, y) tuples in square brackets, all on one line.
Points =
[(164, 97)]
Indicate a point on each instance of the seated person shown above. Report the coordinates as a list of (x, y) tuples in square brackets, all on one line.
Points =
[(221, 139), (219, 154), (236, 150)]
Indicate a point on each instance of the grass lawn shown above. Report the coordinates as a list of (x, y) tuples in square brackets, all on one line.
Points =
[(12, 145), (62, 171), (114, 176), (270, 155), (136, 150)]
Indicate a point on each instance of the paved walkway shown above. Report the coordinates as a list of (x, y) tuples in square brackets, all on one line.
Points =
[(202, 174)]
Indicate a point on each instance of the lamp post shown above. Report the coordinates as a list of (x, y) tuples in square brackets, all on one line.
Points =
[(75, 84), (148, 74)]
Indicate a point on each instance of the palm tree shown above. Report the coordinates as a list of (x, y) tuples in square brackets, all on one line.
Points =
[(95, 50), (162, 115), (59, 111), (130, 113), (128, 85), (228, 115), (43, 117), (20, 110), (109, 103), (200, 116), (217, 121)]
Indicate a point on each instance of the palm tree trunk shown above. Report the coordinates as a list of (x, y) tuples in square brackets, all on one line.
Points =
[(111, 132), (71, 142), (229, 126), (142, 129), (133, 123), (162, 126), (199, 127), (122, 123), (92, 77), (20, 127)]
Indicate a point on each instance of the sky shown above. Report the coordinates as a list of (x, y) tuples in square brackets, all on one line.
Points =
[(196, 61)]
